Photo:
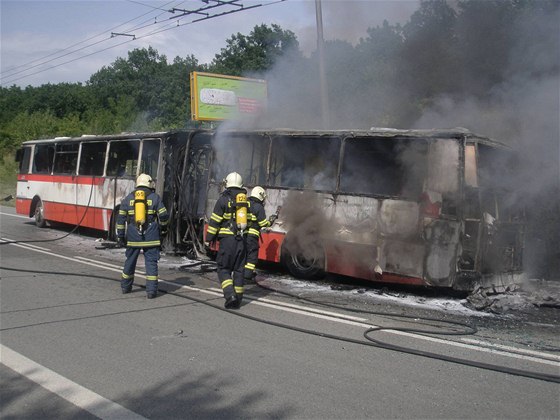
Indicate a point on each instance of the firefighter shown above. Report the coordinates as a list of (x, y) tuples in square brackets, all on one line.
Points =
[(228, 225), (257, 221), (145, 218)]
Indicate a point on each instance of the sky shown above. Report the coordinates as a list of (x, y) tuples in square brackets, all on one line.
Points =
[(67, 41)]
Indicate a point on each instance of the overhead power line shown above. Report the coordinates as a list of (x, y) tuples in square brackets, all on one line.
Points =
[(165, 25), (16, 69)]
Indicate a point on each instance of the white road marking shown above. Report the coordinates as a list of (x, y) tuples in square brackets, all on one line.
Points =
[(63, 387), (15, 215), (106, 264), (511, 349), (539, 357)]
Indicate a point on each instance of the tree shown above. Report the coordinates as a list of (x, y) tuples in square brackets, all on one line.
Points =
[(255, 53), (429, 67)]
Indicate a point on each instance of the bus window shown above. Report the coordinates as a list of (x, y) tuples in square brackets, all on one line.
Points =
[(384, 166), (23, 158), (246, 155), (123, 158), (443, 173), (150, 157), (496, 177), (305, 162), (470, 166), (43, 159), (92, 158), (66, 158)]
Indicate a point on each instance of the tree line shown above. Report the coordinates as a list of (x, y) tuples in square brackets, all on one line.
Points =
[(392, 74)]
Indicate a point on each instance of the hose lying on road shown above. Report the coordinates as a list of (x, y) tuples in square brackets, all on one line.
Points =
[(467, 329)]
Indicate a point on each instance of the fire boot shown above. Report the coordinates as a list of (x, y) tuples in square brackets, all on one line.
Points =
[(231, 302)]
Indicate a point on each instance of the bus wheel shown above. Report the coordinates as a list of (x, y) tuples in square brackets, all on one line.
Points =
[(112, 234), (308, 266), (40, 215)]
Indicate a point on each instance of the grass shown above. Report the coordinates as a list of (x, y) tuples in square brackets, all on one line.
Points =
[(8, 180)]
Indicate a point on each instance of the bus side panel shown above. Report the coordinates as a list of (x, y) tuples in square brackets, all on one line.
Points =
[(376, 232), (270, 246), (402, 247), (23, 200), (23, 206), (442, 240), (77, 199)]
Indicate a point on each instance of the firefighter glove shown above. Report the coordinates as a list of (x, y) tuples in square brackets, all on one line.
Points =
[(272, 218)]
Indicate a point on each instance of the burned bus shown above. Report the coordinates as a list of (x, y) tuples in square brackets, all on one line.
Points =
[(420, 207)]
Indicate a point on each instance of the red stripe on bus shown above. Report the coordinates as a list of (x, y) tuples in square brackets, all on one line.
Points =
[(23, 206), (63, 179), (95, 218), (270, 246)]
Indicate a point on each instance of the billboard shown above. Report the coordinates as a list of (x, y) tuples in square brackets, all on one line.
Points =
[(220, 97)]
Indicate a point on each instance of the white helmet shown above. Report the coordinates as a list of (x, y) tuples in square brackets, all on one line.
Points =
[(144, 180), (259, 193), (233, 180)]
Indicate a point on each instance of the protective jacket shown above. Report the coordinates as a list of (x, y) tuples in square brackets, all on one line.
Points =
[(257, 217), (156, 219), (222, 222)]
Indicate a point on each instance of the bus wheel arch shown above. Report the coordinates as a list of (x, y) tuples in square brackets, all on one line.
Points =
[(37, 211), (309, 265)]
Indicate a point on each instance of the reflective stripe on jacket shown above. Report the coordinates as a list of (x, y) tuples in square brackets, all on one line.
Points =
[(257, 217)]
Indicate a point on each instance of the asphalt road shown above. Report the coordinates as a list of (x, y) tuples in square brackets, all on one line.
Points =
[(73, 347)]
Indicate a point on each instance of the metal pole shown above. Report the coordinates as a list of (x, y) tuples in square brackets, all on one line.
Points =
[(322, 76)]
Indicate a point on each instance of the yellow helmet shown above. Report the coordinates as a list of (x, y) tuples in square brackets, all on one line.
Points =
[(258, 193), (233, 180), (144, 180)]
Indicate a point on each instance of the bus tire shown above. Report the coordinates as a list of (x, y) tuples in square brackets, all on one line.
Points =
[(112, 234), (304, 267), (39, 214)]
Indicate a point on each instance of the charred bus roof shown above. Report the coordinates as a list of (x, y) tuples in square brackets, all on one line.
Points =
[(426, 134)]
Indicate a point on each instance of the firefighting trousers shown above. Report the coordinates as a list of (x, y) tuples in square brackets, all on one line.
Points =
[(231, 261), (252, 256), (151, 257)]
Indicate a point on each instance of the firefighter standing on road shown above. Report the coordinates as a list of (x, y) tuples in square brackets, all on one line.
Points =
[(228, 225), (145, 218), (257, 221)]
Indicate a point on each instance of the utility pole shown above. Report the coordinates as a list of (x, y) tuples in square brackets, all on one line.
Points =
[(322, 76)]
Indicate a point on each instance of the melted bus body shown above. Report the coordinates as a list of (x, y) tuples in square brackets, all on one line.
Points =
[(421, 207)]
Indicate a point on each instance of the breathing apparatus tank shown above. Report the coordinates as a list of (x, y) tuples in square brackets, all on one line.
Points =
[(140, 209), (241, 212)]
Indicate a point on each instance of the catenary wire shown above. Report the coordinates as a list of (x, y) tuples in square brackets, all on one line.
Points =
[(8, 73), (172, 26)]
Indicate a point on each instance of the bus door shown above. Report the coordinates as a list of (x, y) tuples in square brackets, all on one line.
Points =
[(441, 225), (193, 186), (494, 223), (64, 205), (23, 199), (90, 173), (121, 173)]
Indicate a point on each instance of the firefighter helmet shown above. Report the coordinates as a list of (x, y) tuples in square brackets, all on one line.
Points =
[(144, 180), (258, 193), (233, 180)]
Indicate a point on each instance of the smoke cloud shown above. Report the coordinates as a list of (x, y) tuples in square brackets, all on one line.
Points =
[(515, 100)]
